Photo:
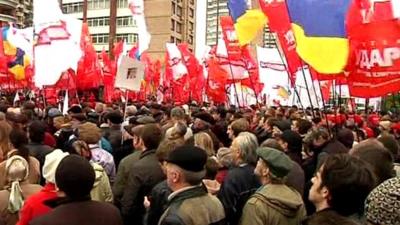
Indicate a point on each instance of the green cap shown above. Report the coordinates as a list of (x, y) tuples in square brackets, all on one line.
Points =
[(277, 161)]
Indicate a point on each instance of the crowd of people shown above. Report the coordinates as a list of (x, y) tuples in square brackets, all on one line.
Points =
[(150, 163)]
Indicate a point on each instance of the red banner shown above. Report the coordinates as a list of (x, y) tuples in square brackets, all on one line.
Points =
[(279, 23), (230, 38), (374, 62)]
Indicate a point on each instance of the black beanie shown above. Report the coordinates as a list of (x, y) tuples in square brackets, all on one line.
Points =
[(189, 158), (75, 176)]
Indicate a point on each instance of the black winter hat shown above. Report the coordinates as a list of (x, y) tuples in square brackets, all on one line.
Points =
[(205, 117), (294, 140), (189, 158), (115, 117), (75, 176)]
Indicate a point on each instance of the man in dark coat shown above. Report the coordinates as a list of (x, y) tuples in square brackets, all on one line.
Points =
[(143, 176), (189, 202), (75, 177)]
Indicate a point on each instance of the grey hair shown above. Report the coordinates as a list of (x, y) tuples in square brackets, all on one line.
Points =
[(248, 144)]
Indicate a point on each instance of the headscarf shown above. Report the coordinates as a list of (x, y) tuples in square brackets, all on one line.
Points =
[(17, 170)]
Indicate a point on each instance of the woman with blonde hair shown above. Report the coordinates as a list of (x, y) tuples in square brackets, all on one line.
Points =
[(5, 146), (19, 189), (204, 141)]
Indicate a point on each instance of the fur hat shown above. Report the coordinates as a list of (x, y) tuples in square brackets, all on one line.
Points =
[(89, 133)]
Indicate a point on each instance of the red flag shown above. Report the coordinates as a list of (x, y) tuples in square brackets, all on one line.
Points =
[(229, 34), (374, 64), (88, 72), (216, 82), (279, 22), (195, 73), (326, 87), (254, 77)]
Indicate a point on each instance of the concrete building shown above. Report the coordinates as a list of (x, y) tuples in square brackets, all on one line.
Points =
[(167, 21), (18, 12)]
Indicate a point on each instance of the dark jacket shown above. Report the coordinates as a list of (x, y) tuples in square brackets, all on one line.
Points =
[(193, 206), (113, 134), (144, 175), (85, 212), (295, 178), (39, 151), (238, 186), (158, 202)]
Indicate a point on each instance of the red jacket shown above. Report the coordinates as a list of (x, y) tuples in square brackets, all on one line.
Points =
[(34, 206)]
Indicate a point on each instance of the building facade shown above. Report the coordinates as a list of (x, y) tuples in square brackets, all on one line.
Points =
[(167, 21), (18, 12)]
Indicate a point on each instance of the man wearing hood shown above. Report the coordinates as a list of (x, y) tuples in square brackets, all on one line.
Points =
[(274, 203)]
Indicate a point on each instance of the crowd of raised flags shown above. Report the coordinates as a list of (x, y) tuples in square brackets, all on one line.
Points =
[(352, 43)]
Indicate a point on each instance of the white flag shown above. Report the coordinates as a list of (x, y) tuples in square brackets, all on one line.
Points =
[(272, 74), (130, 74), (58, 42), (235, 68), (175, 61), (65, 104), (137, 9), (16, 98), (396, 8)]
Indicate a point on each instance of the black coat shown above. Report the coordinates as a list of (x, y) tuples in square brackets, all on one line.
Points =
[(81, 213), (159, 202), (144, 175), (239, 184)]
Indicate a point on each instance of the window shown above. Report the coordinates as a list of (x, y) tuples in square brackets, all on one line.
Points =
[(172, 40), (122, 4), (179, 10), (191, 12), (178, 41), (190, 40), (172, 24), (173, 8), (191, 27), (178, 27), (75, 7)]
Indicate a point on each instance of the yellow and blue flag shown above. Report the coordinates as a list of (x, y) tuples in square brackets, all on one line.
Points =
[(18, 60), (247, 22), (319, 29)]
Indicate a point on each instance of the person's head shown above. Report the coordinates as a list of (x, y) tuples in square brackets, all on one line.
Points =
[(89, 133), (202, 121), (58, 122), (185, 167), (131, 110), (17, 169), (320, 137), (390, 144), (272, 166), (272, 143), (177, 114), (149, 136), (99, 108), (382, 205), (291, 141), (178, 131), (82, 149), (270, 123), (225, 157), (219, 113), (302, 126), (346, 137), (238, 126), (75, 177), (50, 165), (166, 147), (19, 140), (374, 153), (5, 130), (204, 141), (114, 118), (342, 184), (244, 148), (36, 131)]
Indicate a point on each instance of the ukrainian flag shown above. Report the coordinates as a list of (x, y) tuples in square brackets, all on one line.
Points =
[(247, 22), (18, 59), (319, 29)]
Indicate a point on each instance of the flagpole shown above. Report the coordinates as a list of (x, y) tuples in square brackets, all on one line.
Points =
[(324, 106), (287, 72), (308, 91)]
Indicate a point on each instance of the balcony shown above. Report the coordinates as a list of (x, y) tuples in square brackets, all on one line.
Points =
[(10, 3), (7, 18)]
